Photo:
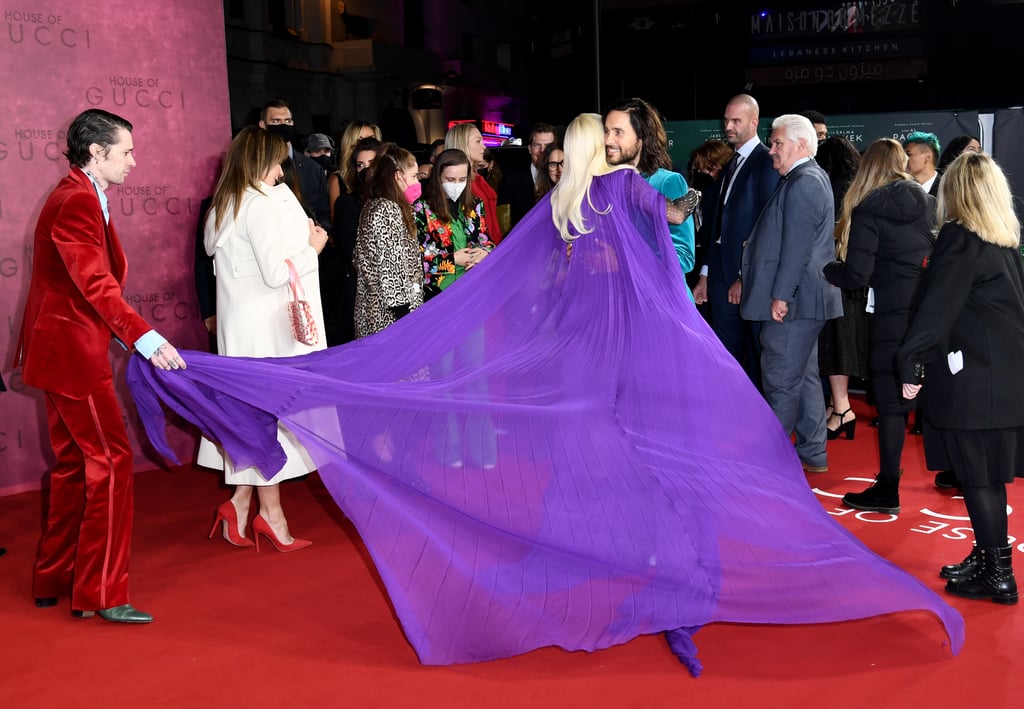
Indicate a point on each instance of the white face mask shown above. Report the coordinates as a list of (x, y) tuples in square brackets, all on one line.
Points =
[(454, 190)]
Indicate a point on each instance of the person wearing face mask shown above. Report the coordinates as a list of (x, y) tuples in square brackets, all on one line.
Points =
[(320, 149), (344, 179), (345, 208), (451, 223), (389, 268), (276, 117)]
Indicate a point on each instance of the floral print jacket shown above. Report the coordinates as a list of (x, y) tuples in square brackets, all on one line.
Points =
[(436, 239)]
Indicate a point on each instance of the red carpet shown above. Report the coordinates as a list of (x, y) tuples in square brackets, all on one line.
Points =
[(314, 628)]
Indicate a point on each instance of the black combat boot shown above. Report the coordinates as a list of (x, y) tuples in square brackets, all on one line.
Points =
[(883, 496), (965, 569), (993, 579)]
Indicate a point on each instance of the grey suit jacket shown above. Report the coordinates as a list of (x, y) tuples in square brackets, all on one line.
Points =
[(788, 248)]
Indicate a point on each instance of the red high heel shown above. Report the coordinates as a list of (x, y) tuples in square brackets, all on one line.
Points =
[(227, 514), (260, 526)]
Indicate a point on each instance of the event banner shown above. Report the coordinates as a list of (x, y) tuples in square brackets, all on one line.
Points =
[(862, 129), (163, 67), (1007, 139)]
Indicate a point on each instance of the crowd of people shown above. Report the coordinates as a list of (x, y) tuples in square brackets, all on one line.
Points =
[(805, 274), (842, 253)]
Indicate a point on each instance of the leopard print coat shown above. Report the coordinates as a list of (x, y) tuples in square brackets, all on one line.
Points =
[(389, 267)]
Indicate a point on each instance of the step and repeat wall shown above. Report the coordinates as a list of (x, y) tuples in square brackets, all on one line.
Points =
[(162, 66)]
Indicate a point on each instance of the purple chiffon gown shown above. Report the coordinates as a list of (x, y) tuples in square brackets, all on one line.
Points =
[(556, 451)]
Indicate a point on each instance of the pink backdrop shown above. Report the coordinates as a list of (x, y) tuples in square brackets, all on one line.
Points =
[(163, 67)]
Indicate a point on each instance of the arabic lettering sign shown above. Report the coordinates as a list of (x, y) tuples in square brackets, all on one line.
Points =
[(838, 72)]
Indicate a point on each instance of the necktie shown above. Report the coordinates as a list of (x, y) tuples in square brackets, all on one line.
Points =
[(730, 172)]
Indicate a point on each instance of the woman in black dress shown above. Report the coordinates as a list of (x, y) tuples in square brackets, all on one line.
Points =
[(843, 342)]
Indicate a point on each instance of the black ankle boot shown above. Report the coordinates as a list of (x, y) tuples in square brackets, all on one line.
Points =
[(946, 480), (993, 579), (965, 569), (882, 496)]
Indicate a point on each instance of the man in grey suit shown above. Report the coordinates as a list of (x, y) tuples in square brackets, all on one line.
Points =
[(784, 289)]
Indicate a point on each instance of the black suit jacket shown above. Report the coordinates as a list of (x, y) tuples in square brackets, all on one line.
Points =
[(972, 301), (518, 192), (753, 186), (313, 183)]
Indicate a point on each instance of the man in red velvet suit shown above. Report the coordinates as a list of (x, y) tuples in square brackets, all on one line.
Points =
[(75, 306)]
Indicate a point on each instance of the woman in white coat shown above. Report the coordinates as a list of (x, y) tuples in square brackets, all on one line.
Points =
[(255, 226)]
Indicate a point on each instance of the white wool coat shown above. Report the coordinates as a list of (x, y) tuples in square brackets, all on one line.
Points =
[(249, 253)]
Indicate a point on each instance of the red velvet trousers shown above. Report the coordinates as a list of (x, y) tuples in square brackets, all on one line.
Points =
[(86, 540)]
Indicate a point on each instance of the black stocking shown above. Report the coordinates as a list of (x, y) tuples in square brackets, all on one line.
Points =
[(891, 432), (987, 509)]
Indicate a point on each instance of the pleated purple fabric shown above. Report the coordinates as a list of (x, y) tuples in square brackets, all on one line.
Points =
[(555, 451)]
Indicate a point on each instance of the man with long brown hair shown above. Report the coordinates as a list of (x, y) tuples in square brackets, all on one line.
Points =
[(634, 134)]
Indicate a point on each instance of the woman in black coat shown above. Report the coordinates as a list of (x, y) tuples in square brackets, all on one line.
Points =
[(889, 220), (964, 350), (843, 342)]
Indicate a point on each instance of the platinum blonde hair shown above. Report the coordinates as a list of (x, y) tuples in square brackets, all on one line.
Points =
[(584, 160)]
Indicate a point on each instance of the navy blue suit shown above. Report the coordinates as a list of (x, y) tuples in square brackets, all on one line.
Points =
[(753, 185)]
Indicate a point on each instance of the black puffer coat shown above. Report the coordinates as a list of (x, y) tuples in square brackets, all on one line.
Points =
[(891, 237)]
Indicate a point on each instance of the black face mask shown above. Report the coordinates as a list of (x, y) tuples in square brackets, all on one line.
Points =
[(483, 172), (284, 130), (325, 161), (361, 176)]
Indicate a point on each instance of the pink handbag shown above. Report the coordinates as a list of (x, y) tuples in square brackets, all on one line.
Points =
[(301, 315)]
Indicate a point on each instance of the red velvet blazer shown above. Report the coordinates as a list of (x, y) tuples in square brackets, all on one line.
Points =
[(75, 302)]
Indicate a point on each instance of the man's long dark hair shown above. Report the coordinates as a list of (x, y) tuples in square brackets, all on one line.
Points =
[(649, 128), (92, 126)]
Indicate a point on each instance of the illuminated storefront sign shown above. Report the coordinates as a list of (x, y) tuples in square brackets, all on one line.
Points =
[(495, 133)]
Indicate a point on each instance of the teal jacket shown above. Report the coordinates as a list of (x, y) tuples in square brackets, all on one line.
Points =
[(673, 186)]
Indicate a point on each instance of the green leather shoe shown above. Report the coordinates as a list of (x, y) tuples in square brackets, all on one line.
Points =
[(124, 614)]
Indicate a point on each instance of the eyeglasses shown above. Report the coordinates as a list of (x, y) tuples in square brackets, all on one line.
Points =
[(556, 165)]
